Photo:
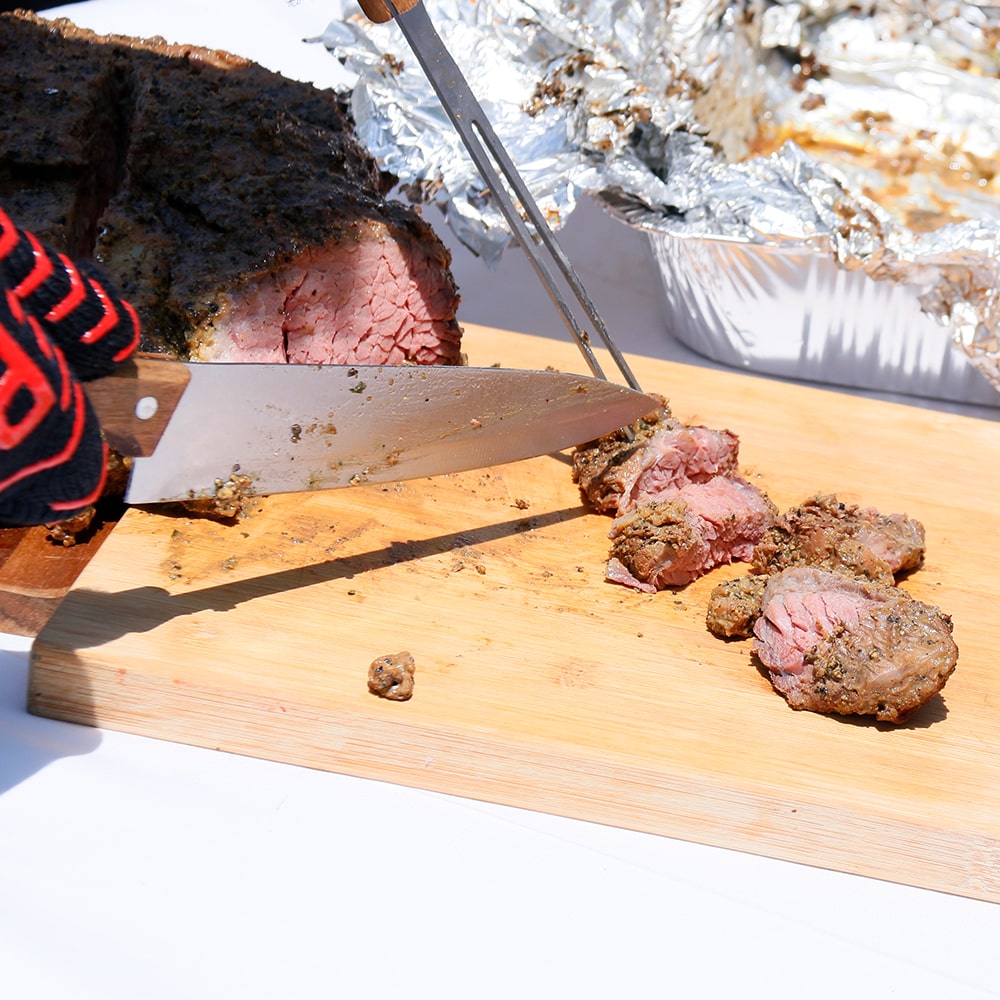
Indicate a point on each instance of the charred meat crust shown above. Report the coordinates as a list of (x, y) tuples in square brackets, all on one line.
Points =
[(66, 115)]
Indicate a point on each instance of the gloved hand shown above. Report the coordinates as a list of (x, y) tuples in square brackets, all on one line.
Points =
[(60, 324)]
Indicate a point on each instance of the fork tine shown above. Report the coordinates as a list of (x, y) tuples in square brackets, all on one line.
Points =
[(486, 149)]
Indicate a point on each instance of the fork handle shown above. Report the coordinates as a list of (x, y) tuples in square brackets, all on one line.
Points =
[(377, 11)]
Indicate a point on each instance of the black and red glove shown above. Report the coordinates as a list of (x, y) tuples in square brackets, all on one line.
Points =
[(60, 324)]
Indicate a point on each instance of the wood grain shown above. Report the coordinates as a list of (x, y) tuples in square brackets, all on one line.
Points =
[(539, 685)]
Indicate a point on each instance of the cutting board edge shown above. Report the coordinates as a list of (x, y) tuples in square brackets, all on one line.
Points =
[(702, 809)]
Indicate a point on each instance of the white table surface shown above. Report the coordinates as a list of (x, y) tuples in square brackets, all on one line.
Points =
[(139, 869)]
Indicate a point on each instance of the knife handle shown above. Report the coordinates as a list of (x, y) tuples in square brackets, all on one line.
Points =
[(378, 12), (134, 403)]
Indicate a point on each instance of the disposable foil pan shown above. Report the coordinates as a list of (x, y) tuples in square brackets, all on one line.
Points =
[(820, 179), (794, 313)]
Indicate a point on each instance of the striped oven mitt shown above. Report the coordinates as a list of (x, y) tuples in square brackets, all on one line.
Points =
[(60, 324)]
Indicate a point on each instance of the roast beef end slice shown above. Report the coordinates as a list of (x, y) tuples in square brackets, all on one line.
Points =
[(837, 645), (375, 301)]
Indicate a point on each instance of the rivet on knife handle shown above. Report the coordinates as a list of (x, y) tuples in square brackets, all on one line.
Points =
[(135, 403), (485, 148)]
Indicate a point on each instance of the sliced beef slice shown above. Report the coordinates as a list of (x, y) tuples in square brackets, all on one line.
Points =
[(824, 531), (686, 531), (234, 207), (615, 473), (846, 646), (597, 464), (678, 455)]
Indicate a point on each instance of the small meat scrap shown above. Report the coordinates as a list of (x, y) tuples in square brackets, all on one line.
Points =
[(77, 528), (229, 502), (827, 532), (734, 606), (677, 537), (391, 676), (67, 533), (623, 469), (834, 644)]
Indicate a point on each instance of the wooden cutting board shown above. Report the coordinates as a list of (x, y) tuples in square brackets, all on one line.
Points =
[(539, 685)]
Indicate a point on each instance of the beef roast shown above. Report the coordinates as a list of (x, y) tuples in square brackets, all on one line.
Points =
[(836, 644), (234, 207), (686, 531), (622, 470)]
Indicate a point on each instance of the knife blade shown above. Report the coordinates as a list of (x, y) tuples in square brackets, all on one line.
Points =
[(289, 428)]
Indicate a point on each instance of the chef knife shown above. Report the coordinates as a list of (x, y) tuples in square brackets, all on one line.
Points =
[(288, 428)]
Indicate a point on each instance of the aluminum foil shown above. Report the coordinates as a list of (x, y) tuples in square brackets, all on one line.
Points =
[(866, 131)]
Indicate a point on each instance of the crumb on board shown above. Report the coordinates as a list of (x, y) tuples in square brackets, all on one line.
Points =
[(66, 532), (230, 501), (391, 676)]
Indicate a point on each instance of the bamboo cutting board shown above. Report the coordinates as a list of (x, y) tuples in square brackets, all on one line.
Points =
[(537, 684)]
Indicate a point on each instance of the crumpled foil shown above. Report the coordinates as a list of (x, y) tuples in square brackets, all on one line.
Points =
[(865, 130)]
